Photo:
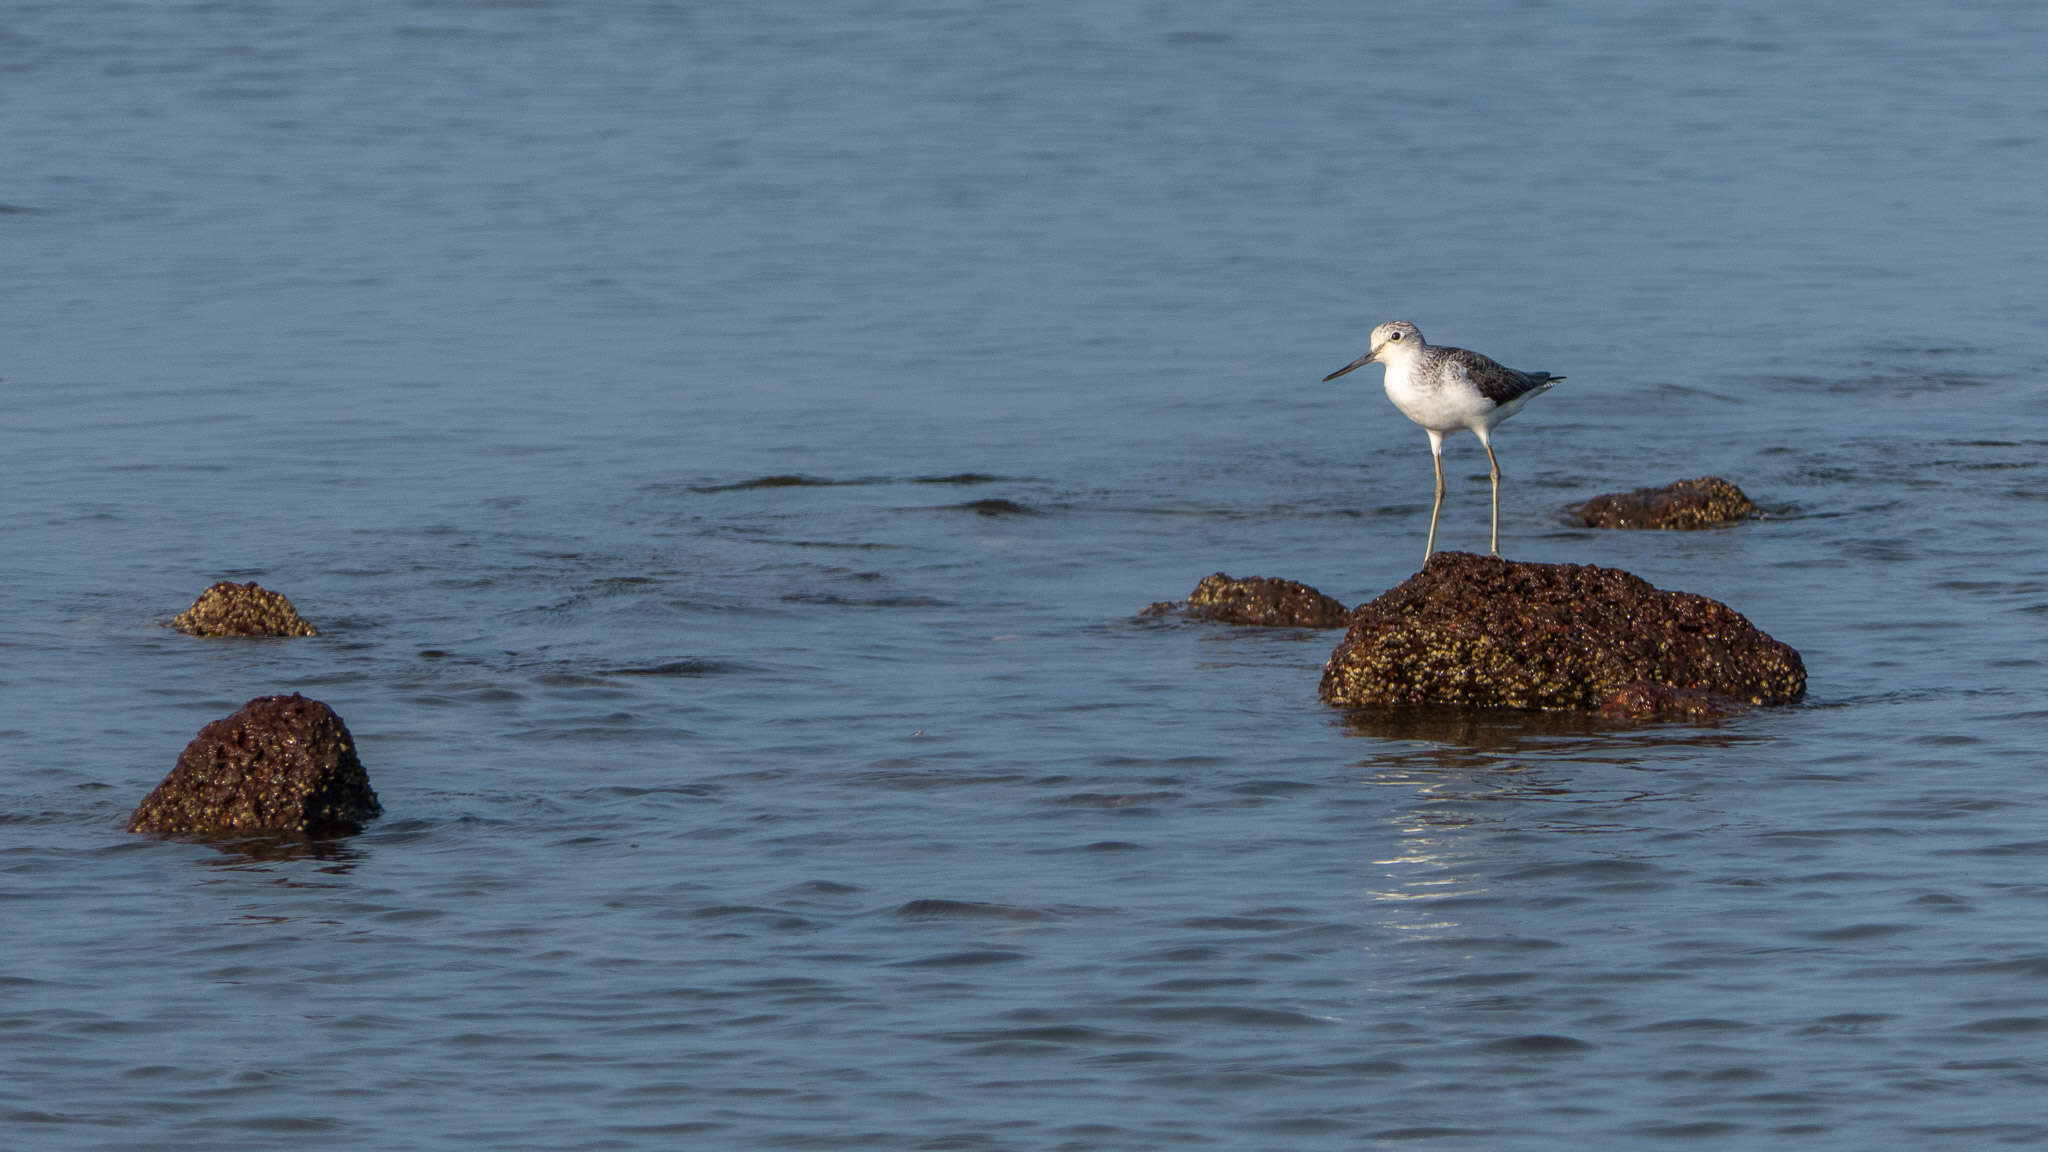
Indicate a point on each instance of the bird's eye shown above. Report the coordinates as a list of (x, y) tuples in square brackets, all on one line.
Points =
[(1395, 336)]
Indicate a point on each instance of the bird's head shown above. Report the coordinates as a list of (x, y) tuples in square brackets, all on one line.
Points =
[(1390, 339)]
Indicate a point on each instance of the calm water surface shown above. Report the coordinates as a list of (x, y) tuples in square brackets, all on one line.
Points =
[(865, 811)]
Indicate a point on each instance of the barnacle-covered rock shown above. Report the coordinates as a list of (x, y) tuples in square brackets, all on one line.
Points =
[(1482, 632), (1264, 601), (281, 764), (1701, 503), (230, 609)]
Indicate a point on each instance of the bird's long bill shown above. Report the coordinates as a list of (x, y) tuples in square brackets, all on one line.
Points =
[(1361, 362)]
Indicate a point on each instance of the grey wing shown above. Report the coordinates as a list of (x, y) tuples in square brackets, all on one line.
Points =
[(1496, 381)]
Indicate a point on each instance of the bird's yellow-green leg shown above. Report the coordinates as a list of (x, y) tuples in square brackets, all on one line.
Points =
[(1436, 458), (1495, 544)]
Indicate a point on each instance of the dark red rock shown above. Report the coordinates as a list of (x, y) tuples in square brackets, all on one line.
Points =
[(1264, 601), (281, 764), (230, 609), (1482, 632), (1701, 503)]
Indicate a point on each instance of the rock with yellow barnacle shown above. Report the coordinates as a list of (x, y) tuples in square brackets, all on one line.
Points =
[(1482, 632), (1707, 502), (1263, 601), (230, 609), (279, 765)]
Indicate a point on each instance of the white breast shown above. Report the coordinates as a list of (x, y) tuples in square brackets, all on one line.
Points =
[(1441, 403)]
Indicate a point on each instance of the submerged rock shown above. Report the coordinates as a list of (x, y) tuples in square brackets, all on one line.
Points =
[(279, 764), (1701, 503), (1264, 601), (996, 507), (1482, 632), (230, 609)]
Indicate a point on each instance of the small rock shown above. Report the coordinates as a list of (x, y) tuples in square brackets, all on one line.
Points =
[(279, 764), (1701, 503), (1264, 601), (230, 609), (996, 507), (1482, 632)]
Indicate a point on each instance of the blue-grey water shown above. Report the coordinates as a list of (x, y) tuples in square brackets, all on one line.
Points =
[(867, 812)]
